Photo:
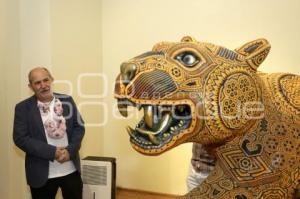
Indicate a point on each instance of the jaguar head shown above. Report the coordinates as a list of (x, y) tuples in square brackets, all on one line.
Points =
[(189, 91)]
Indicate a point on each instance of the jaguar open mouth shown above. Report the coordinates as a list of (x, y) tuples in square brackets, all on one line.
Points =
[(160, 124)]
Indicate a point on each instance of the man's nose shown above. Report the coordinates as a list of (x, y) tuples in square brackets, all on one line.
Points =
[(43, 84), (128, 71)]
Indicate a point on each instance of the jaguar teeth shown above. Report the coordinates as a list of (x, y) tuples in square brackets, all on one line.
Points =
[(123, 109), (129, 130), (166, 135), (122, 106), (150, 116), (159, 123), (153, 139), (164, 125)]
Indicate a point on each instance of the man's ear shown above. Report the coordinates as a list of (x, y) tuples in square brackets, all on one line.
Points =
[(29, 86), (255, 52)]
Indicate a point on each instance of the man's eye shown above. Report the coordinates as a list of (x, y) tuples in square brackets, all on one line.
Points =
[(188, 59)]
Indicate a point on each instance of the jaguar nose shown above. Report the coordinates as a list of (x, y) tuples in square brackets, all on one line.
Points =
[(128, 72)]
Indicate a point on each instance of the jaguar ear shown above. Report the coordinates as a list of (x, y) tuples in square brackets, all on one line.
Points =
[(188, 39), (255, 52)]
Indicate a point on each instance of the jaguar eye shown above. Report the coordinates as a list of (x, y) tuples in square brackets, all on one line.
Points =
[(188, 59)]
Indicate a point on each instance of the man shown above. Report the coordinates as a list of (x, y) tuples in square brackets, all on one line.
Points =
[(202, 163), (49, 129)]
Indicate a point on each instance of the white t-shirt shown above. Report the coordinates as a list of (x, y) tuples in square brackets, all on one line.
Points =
[(55, 130)]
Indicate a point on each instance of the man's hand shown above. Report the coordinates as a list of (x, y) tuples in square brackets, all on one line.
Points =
[(58, 152), (62, 154)]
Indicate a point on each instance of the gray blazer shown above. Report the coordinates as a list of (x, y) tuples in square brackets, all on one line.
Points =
[(29, 136)]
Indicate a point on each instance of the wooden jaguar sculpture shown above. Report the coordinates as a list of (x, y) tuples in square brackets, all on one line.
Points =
[(193, 91)]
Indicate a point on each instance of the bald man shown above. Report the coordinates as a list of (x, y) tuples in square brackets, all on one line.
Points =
[(49, 129)]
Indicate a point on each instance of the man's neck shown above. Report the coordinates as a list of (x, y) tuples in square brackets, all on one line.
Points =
[(48, 100)]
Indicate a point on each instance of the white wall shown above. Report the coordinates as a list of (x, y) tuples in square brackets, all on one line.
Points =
[(35, 44), (4, 186), (9, 94)]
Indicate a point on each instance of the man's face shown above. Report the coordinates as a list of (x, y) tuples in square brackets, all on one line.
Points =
[(41, 85)]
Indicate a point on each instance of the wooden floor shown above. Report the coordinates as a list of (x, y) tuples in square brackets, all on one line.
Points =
[(137, 194)]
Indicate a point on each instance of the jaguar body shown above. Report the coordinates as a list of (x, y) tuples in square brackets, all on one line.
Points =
[(193, 91)]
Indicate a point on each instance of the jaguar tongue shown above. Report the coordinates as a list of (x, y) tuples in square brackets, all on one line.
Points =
[(152, 138)]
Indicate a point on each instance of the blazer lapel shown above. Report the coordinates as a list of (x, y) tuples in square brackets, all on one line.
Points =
[(36, 115)]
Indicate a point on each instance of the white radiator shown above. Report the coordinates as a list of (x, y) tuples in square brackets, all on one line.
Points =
[(99, 177)]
